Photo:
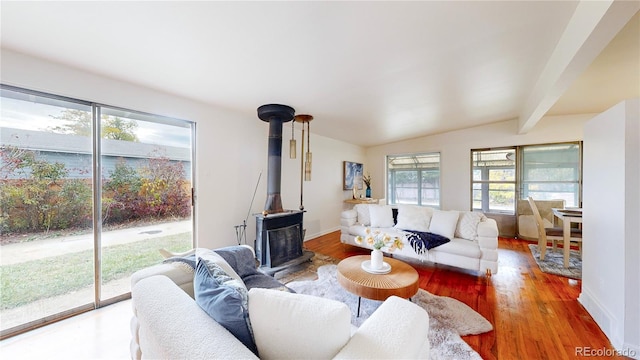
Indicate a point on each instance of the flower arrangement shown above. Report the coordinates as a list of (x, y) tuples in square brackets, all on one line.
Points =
[(379, 240), (367, 180)]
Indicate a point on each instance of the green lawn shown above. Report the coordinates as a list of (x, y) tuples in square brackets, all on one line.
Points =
[(30, 281)]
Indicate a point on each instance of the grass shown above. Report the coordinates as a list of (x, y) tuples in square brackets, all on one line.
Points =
[(26, 282)]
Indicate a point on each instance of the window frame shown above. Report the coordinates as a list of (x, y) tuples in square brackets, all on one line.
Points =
[(578, 182), (489, 182), (520, 183), (420, 171)]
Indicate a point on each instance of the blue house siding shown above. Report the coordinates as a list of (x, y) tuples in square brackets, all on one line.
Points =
[(75, 152)]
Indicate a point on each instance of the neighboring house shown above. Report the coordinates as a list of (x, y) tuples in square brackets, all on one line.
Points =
[(75, 151)]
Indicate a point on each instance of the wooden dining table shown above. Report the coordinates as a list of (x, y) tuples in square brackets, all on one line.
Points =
[(568, 216)]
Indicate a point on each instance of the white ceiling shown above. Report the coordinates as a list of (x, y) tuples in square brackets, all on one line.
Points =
[(369, 72)]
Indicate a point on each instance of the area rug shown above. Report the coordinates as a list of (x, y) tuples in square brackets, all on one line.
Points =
[(553, 262), (448, 318), (307, 270)]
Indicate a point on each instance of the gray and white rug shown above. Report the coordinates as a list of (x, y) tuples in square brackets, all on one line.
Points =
[(553, 262), (448, 317)]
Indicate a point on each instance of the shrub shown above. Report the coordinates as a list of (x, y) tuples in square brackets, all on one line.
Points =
[(157, 190), (164, 189), (37, 196), (120, 194)]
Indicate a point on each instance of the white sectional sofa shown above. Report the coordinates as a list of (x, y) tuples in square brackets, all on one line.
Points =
[(168, 323), (473, 237)]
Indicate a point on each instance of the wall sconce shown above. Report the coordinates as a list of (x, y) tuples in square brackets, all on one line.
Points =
[(305, 159)]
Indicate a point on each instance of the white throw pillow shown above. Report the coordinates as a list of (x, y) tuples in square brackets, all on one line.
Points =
[(381, 216), (363, 214), (444, 223), (297, 326), (413, 217), (468, 225)]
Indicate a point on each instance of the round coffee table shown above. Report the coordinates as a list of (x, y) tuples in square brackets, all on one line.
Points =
[(402, 281)]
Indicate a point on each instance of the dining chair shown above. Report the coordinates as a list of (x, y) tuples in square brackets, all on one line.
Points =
[(553, 234)]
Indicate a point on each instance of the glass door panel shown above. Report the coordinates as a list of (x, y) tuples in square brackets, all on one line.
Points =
[(46, 232), (145, 193)]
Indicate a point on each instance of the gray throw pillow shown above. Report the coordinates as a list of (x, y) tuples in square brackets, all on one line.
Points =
[(240, 258), (224, 299)]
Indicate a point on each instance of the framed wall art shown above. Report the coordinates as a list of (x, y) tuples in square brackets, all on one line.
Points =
[(352, 175)]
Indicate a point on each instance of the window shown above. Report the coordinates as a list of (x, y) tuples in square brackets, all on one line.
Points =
[(414, 179), (544, 172), (494, 180), (552, 172)]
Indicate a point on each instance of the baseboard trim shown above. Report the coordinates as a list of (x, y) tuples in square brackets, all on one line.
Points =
[(603, 318), (322, 233)]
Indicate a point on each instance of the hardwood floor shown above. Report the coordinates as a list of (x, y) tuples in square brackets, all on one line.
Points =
[(535, 315)]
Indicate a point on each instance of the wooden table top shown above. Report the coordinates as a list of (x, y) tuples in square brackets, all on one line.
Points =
[(402, 281)]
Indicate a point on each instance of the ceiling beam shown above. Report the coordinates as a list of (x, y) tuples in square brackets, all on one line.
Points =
[(593, 25)]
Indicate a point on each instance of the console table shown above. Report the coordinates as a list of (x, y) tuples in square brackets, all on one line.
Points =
[(362, 201)]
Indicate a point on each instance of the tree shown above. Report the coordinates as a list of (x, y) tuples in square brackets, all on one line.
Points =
[(78, 122), (115, 128)]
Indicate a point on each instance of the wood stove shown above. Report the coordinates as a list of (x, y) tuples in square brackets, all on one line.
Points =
[(279, 232), (280, 238)]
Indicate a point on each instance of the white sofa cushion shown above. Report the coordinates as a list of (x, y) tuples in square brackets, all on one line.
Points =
[(177, 272), (377, 339), (467, 227), (173, 326), (297, 326), (359, 230), (363, 214), (381, 216), (487, 228), (461, 247), (413, 217), (444, 223)]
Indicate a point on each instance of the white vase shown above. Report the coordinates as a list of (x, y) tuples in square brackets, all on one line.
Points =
[(376, 259)]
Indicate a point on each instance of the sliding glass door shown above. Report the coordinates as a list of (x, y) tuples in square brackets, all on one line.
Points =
[(61, 159), (145, 193), (46, 259)]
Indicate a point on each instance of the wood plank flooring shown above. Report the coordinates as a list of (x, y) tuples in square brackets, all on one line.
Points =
[(535, 315)]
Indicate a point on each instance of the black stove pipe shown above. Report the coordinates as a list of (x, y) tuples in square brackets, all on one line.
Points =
[(275, 115)]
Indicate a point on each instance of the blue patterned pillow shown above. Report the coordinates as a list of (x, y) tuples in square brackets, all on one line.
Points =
[(224, 299)]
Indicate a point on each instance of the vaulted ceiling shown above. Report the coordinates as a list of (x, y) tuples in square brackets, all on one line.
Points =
[(369, 72)]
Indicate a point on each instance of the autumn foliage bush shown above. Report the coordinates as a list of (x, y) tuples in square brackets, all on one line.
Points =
[(38, 195), (157, 190)]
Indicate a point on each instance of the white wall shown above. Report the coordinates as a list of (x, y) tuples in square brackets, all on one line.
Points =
[(323, 195), (455, 148), (231, 150), (611, 240)]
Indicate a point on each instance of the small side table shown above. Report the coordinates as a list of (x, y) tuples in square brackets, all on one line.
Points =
[(402, 281)]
